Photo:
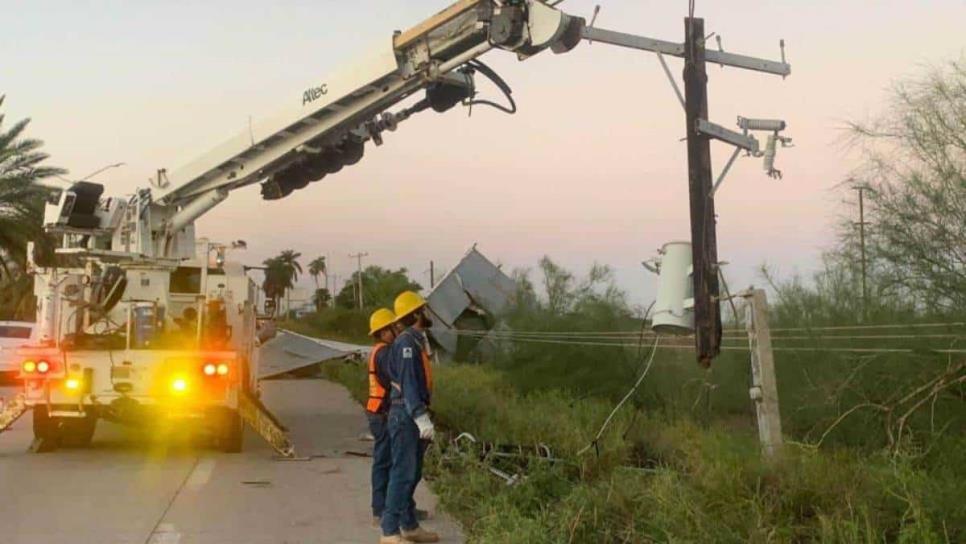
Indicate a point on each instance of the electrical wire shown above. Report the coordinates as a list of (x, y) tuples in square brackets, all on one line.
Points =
[(501, 84), (629, 334), (619, 344), (640, 380), (734, 331)]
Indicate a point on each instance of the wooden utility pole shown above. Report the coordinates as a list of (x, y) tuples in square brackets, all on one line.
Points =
[(432, 275), (358, 257), (865, 291), (704, 243), (764, 388)]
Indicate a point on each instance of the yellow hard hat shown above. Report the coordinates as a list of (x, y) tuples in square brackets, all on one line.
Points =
[(380, 319), (407, 302)]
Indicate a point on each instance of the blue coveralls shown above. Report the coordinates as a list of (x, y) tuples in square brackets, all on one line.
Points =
[(378, 426), (409, 398)]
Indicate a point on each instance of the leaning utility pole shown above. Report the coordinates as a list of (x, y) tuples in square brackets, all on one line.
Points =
[(358, 257), (704, 243), (764, 385), (700, 131)]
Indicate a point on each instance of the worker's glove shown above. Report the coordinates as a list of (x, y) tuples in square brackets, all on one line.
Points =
[(426, 429)]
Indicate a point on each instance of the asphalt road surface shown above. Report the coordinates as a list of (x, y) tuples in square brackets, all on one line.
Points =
[(162, 487)]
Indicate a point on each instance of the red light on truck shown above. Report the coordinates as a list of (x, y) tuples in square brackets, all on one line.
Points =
[(43, 367), (28, 367)]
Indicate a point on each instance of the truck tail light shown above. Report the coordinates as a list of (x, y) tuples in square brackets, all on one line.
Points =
[(216, 369)]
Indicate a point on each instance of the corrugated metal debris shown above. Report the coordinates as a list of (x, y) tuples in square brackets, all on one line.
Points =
[(470, 297), (291, 352)]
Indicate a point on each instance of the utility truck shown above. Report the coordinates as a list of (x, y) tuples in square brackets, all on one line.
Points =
[(140, 320)]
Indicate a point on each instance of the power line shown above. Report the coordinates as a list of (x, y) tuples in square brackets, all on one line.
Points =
[(618, 344)]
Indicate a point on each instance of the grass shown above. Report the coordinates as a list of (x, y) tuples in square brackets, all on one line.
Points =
[(662, 480), (680, 462)]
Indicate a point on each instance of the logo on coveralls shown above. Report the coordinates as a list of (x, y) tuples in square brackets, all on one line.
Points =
[(408, 353), (314, 93)]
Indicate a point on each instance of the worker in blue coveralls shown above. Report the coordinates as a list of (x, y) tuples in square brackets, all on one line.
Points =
[(410, 426)]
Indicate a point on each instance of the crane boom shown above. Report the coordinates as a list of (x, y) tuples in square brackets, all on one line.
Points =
[(327, 125), (324, 126)]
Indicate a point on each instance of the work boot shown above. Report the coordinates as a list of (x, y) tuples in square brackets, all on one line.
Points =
[(391, 539), (376, 522), (422, 515), (419, 535)]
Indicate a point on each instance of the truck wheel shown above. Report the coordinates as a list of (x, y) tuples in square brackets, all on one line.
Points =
[(46, 431), (230, 432), (78, 432)]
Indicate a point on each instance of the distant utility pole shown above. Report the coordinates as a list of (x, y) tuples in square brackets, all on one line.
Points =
[(865, 292), (358, 257), (432, 275)]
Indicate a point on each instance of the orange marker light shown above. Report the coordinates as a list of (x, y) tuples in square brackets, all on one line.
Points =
[(29, 366), (72, 383)]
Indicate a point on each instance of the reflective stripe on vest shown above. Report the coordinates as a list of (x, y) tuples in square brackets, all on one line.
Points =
[(377, 393)]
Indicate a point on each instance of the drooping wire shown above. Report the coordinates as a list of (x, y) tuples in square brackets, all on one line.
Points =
[(640, 379), (501, 84)]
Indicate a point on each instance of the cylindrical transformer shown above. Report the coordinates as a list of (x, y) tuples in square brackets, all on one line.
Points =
[(674, 309)]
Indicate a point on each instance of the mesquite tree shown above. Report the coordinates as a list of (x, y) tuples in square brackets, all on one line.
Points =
[(915, 170)]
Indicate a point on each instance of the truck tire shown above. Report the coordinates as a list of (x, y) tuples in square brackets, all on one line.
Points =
[(77, 432), (230, 432), (46, 431)]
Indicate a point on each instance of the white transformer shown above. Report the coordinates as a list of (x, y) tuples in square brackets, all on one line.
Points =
[(674, 308)]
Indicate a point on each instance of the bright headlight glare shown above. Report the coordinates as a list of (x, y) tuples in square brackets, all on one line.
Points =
[(210, 369), (223, 369), (72, 383), (179, 385), (43, 367)]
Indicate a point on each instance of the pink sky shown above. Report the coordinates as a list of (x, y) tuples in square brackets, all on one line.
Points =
[(590, 169)]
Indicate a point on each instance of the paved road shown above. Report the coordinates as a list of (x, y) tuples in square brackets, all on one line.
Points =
[(132, 488)]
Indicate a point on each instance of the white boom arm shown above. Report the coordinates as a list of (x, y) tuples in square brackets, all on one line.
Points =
[(326, 126)]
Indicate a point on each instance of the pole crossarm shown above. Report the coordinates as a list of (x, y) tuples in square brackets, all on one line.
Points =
[(737, 139), (644, 43)]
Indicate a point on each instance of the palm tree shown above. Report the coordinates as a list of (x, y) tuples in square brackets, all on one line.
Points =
[(277, 280), (21, 210), (286, 269), (317, 268)]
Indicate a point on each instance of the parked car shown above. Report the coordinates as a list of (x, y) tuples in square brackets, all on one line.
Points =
[(13, 334)]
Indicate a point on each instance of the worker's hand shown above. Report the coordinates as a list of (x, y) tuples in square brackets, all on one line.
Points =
[(426, 429)]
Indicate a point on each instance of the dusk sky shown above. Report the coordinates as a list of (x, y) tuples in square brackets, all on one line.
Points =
[(591, 168)]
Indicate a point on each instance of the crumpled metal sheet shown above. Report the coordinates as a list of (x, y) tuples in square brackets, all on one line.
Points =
[(474, 284), (290, 351)]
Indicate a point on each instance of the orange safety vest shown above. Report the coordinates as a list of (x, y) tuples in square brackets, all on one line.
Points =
[(377, 393)]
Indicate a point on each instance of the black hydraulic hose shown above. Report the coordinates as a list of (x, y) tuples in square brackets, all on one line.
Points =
[(491, 74)]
